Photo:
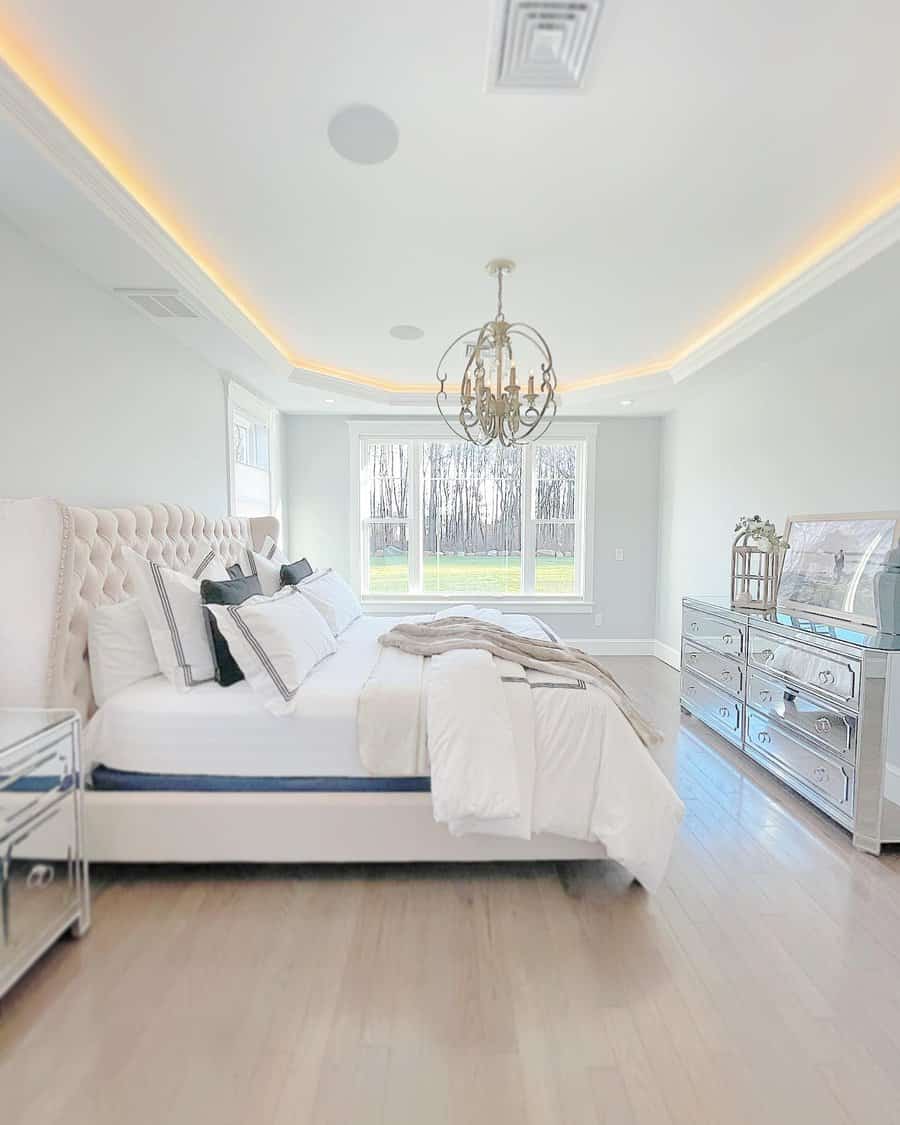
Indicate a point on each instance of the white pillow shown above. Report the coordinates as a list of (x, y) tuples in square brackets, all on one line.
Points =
[(120, 648), (204, 562), (333, 598), (276, 642), (171, 606), (271, 551), (266, 570)]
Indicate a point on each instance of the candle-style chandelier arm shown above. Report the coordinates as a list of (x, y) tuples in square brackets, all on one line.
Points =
[(493, 404)]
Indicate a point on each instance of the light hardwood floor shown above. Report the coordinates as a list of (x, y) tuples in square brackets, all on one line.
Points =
[(762, 984)]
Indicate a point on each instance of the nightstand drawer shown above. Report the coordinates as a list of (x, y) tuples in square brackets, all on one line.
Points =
[(30, 780), (38, 897), (714, 632), (725, 673)]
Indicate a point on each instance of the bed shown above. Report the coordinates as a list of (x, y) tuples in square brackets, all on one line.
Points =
[(208, 776)]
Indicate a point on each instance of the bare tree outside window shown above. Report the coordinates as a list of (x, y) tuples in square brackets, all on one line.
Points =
[(555, 482), (388, 522), (472, 507)]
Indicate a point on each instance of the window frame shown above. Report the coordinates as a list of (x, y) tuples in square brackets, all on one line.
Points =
[(415, 433), (259, 413)]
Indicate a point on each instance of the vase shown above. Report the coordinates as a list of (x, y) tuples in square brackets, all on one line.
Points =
[(887, 594)]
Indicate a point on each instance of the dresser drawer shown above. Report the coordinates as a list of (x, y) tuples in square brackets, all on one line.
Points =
[(833, 729), (714, 632), (831, 779), (726, 673), (31, 779), (38, 897), (829, 674), (712, 706)]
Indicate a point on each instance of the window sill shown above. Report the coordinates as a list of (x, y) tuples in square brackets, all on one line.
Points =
[(426, 603)]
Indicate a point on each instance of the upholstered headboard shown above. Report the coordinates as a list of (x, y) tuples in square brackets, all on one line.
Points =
[(59, 562)]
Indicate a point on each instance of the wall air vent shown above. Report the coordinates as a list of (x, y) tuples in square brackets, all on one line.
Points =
[(543, 44), (162, 303)]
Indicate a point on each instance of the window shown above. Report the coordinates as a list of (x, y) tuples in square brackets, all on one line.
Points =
[(249, 423), (386, 518), (443, 517)]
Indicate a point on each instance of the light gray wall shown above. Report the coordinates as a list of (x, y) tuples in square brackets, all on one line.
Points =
[(317, 452), (804, 418), (98, 406), (317, 489)]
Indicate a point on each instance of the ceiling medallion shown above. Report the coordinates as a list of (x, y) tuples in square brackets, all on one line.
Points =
[(493, 405)]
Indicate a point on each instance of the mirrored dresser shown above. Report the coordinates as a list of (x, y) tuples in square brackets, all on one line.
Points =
[(814, 701), (41, 802)]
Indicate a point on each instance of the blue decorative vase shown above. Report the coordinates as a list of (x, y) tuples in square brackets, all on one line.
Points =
[(887, 594)]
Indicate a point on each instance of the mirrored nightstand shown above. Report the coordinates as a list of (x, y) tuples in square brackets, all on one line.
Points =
[(41, 800)]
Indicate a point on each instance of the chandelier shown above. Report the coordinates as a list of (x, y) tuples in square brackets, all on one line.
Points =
[(493, 404)]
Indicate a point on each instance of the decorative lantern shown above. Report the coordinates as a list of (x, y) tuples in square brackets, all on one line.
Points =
[(756, 558)]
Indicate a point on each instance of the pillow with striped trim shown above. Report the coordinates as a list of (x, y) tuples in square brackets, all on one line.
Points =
[(276, 641), (258, 566), (205, 562), (172, 608), (271, 551), (268, 567), (333, 598)]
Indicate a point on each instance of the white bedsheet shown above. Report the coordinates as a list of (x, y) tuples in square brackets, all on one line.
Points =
[(151, 728)]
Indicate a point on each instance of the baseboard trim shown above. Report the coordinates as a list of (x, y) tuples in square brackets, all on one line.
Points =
[(667, 654), (892, 783), (613, 646)]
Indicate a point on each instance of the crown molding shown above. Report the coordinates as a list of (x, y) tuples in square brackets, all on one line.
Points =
[(66, 152), (44, 129), (858, 249)]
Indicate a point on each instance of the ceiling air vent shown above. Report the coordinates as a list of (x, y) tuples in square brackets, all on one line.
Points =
[(543, 44), (161, 303)]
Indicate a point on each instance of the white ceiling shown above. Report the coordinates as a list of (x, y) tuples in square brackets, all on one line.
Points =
[(715, 141)]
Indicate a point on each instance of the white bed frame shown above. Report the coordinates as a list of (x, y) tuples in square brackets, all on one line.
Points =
[(72, 562)]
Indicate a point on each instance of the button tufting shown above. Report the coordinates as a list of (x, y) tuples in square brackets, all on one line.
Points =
[(96, 536)]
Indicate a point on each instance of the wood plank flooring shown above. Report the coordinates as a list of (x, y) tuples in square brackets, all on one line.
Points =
[(761, 985)]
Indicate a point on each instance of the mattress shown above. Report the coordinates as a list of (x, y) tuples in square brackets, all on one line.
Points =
[(150, 728)]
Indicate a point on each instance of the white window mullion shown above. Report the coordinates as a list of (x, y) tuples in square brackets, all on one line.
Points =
[(415, 517), (580, 513), (361, 515), (529, 535)]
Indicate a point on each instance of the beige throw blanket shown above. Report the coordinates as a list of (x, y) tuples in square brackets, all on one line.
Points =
[(446, 634)]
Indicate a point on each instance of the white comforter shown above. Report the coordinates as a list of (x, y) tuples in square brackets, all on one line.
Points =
[(517, 752)]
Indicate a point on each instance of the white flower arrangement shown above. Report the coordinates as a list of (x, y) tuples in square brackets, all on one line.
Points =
[(758, 530)]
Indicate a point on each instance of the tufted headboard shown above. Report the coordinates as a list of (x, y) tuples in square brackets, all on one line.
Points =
[(63, 561)]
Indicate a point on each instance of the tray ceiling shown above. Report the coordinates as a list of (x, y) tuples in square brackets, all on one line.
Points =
[(714, 146)]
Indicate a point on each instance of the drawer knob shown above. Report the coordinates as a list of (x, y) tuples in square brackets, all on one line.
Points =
[(765, 695), (692, 657), (728, 638), (823, 726), (820, 774), (724, 712), (764, 737), (826, 677), (767, 654), (727, 676), (691, 688), (694, 627), (41, 875)]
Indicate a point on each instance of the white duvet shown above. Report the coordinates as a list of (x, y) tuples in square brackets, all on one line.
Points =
[(518, 752)]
